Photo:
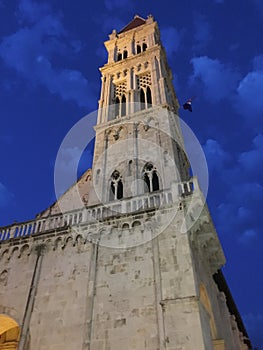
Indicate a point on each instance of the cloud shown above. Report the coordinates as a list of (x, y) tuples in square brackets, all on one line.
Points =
[(31, 49), (215, 155), (251, 161), (6, 196), (32, 11), (218, 80), (171, 39), (243, 188), (248, 101), (202, 32)]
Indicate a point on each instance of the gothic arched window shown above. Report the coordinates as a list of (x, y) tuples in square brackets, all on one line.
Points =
[(117, 106), (142, 99), (144, 47), (148, 97), (116, 186), (119, 57), (125, 54), (150, 177), (139, 49), (123, 105)]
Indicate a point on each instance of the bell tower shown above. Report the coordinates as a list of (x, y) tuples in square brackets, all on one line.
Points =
[(137, 113), (136, 264)]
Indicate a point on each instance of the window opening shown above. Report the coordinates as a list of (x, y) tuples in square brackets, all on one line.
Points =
[(116, 186), (123, 105), (150, 177), (142, 99), (148, 97)]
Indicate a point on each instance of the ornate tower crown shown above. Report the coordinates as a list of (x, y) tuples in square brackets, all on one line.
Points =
[(136, 72)]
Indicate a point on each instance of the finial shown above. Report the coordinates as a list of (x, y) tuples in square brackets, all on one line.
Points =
[(113, 35), (149, 19)]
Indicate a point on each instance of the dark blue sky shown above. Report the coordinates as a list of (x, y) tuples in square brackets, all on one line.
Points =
[(50, 52)]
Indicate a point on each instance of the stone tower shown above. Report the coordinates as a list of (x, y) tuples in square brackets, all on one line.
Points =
[(137, 263)]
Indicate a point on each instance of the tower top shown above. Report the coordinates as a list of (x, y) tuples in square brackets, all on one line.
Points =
[(136, 22)]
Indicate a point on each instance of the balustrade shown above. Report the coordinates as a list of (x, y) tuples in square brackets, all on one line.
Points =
[(99, 212)]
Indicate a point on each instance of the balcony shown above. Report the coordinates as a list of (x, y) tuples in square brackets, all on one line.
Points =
[(101, 212)]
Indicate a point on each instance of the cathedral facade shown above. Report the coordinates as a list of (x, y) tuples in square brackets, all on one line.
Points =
[(128, 257)]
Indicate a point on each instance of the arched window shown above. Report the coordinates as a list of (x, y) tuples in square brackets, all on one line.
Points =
[(123, 105), (150, 177), (144, 47), (139, 49), (142, 99), (146, 183), (155, 182), (148, 97), (117, 107), (116, 186), (119, 190), (125, 54), (119, 57)]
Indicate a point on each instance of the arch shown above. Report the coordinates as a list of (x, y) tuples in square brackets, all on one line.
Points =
[(142, 99), (150, 178), (123, 105), (148, 97), (119, 190), (9, 333), (155, 182), (125, 226), (146, 183), (138, 49), (144, 47), (117, 107), (125, 54), (116, 186), (136, 223), (119, 57)]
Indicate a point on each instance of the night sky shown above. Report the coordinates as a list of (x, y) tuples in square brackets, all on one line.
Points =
[(50, 52)]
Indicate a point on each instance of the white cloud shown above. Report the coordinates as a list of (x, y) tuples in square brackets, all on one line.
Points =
[(218, 80), (171, 39), (35, 45)]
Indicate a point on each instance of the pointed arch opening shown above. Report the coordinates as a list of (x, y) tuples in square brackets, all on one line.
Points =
[(139, 49), (144, 47), (116, 186), (119, 190), (148, 97), (142, 99), (125, 54), (119, 57), (146, 183), (123, 105), (117, 107), (150, 178)]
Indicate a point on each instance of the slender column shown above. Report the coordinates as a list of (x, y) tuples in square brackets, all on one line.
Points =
[(31, 298), (158, 292), (91, 296)]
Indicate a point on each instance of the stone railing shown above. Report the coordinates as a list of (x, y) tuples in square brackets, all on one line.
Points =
[(100, 212)]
